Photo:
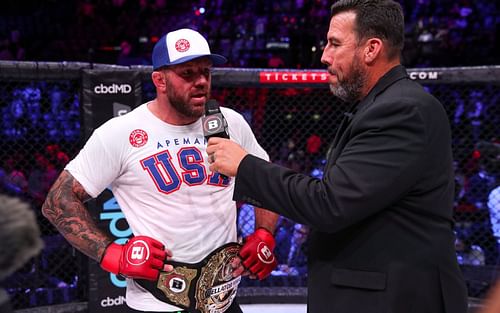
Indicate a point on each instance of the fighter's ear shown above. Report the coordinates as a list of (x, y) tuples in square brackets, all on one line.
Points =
[(372, 50), (159, 79)]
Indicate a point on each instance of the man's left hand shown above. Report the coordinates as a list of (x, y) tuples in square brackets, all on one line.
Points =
[(224, 156), (257, 253)]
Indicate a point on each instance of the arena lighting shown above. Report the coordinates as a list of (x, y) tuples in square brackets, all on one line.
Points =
[(199, 11)]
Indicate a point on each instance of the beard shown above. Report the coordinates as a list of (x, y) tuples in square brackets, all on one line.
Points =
[(180, 102), (350, 88)]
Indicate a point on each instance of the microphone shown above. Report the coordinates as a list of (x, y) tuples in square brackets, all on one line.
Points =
[(214, 124)]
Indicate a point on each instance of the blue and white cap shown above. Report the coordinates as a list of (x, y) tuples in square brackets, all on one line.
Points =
[(181, 46)]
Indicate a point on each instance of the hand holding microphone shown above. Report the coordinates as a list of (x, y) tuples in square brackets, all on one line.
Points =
[(224, 155)]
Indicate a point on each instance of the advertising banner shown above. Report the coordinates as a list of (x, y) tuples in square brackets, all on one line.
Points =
[(107, 94)]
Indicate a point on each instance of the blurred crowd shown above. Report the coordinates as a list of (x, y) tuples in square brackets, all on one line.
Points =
[(259, 33)]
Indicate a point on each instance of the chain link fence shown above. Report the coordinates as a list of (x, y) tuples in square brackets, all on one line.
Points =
[(41, 126), (40, 131)]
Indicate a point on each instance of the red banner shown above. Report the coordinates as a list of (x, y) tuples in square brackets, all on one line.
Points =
[(318, 77)]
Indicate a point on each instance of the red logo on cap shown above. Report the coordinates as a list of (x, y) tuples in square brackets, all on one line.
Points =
[(182, 45), (138, 138)]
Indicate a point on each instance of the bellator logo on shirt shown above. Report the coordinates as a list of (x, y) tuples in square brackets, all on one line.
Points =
[(138, 138)]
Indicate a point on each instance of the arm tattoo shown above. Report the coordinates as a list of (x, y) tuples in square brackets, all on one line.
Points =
[(64, 208)]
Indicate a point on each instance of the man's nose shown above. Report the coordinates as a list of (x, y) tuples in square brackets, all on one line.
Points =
[(325, 58), (202, 79)]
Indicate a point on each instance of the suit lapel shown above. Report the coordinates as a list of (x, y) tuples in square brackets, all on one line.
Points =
[(332, 151), (395, 74), (342, 128)]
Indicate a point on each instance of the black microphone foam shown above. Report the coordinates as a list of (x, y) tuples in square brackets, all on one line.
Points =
[(214, 123)]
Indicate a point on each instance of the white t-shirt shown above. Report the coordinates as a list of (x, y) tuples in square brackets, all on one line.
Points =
[(160, 177)]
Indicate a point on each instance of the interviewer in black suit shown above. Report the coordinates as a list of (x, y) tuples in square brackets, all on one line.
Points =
[(381, 217)]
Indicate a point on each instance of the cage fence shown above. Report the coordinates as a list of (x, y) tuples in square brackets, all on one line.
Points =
[(294, 120)]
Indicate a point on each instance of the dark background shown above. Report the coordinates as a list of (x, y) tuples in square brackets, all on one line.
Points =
[(260, 33)]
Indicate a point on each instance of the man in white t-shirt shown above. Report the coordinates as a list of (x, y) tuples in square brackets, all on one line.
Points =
[(154, 159)]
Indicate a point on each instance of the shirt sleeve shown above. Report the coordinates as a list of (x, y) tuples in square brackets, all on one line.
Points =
[(96, 166)]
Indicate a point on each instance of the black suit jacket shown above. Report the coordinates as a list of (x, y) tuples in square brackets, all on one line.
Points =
[(382, 238)]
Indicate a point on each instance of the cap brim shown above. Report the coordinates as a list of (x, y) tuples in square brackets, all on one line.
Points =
[(216, 59)]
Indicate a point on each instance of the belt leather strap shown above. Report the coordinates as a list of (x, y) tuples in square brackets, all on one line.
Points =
[(204, 287)]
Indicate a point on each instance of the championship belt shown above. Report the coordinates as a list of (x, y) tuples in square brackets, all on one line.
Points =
[(204, 287)]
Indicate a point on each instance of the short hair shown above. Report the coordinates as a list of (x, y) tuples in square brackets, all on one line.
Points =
[(19, 235), (376, 18)]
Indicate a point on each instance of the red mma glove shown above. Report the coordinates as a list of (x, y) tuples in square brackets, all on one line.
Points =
[(141, 257), (257, 253)]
